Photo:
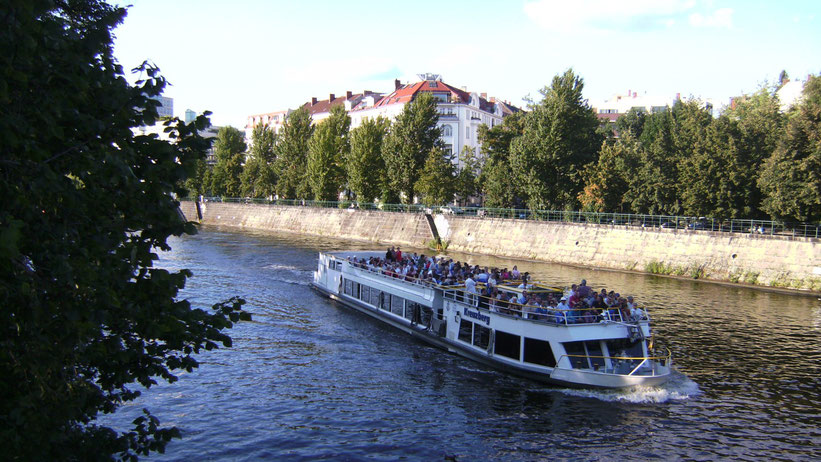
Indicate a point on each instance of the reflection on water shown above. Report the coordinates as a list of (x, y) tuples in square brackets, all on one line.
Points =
[(309, 379)]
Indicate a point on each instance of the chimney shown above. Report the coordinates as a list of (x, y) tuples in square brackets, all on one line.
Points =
[(483, 95), (634, 94), (678, 96), (313, 100), (331, 98), (348, 94), (396, 84)]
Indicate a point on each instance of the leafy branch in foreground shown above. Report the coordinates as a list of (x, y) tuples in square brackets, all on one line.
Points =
[(85, 204)]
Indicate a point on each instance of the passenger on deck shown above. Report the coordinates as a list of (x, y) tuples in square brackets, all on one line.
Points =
[(515, 273), (583, 290)]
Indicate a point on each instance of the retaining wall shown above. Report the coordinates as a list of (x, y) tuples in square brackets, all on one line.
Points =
[(748, 258), (362, 225)]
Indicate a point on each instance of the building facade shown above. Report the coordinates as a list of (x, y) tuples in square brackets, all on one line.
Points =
[(461, 113)]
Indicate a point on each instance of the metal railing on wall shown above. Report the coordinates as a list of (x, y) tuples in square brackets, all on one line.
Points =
[(628, 220)]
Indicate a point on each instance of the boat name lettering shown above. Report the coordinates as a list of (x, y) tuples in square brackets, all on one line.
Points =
[(478, 316)]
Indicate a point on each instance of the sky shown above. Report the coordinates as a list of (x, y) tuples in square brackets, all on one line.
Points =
[(247, 57)]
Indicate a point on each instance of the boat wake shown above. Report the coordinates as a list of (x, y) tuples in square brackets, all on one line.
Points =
[(289, 274), (678, 388)]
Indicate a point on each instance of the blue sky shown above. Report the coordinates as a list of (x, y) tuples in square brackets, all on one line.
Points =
[(248, 57)]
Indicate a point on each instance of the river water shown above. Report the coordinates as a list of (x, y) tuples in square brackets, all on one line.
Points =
[(308, 379)]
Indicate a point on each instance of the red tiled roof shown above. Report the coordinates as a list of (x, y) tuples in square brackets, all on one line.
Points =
[(325, 105), (407, 93)]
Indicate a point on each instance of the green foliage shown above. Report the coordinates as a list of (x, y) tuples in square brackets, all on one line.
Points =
[(467, 178), (609, 180), (632, 122), (365, 166), (412, 137), (327, 150), (560, 139), (791, 176), (497, 179), (291, 155), (258, 177), (437, 181), (86, 205), (653, 187), (229, 149)]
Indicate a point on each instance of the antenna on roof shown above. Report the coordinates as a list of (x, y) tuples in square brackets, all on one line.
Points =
[(429, 76)]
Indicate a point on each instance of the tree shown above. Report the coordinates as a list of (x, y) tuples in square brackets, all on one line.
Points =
[(412, 136), (791, 176), (760, 124), (632, 121), (292, 152), (365, 166), (653, 188), (609, 180), (560, 140), (229, 149), (497, 179), (327, 150), (709, 176), (467, 178), (258, 177), (437, 182), (86, 205)]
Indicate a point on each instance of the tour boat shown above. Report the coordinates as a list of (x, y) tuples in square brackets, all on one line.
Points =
[(553, 346)]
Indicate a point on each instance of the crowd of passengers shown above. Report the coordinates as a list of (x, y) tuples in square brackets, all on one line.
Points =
[(578, 304)]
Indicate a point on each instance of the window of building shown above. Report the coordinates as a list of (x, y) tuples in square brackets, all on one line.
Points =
[(447, 130), (467, 133)]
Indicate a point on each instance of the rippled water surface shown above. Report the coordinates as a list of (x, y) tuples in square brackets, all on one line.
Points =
[(308, 379)]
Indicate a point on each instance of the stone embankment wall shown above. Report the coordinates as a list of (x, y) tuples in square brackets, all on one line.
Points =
[(746, 258), (361, 225)]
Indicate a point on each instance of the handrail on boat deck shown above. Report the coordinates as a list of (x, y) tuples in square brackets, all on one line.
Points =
[(523, 311), (618, 359)]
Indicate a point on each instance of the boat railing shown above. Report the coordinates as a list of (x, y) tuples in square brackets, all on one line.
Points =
[(545, 315), (619, 365), (539, 314), (391, 275)]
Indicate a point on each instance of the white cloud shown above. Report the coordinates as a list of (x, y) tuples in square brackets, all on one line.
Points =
[(720, 18), (606, 14)]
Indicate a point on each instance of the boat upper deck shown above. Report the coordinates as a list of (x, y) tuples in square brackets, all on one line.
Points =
[(489, 289)]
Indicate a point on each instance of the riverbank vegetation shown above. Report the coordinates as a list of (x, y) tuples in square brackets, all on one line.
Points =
[(752, 161)]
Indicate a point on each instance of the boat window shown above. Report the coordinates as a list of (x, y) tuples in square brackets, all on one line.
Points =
[(576, 354), (376, 295), (386, 301), (365, 294), (426, 315), (625, 347), (410, 309), (594, 350), (397, 305), (506, 344), (481, 336), (348, 287), (465, 331), (539, 352)]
